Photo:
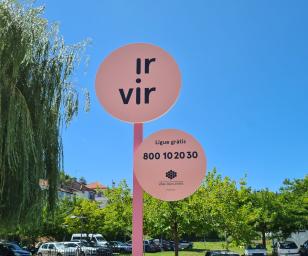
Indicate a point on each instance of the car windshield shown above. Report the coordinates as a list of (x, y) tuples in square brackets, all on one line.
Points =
[(59, 245), (288, 245), (100, 239), (254, 247), (13, 247), (69, 245), (120, 243)]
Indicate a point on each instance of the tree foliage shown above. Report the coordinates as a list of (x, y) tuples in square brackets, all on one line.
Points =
[(118, 212), (85, 217), (218, 206), (36, 97), (114, 220), (293, 197), (228, 209), (266, 212)]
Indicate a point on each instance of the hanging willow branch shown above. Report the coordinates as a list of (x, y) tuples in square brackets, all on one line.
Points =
[(36, 98)]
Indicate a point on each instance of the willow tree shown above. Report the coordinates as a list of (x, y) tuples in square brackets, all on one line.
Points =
[(37, 98)]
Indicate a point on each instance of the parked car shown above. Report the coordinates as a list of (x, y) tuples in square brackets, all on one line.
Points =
[(150, 246), (12, 249), (96, 239), (99, 250), (55, 249), (221, 253), (120, 247), (155, 244), (304, 249), (185, 245), (165, 245), (257, 250), (285, 248), (83, 248), (104, 251)]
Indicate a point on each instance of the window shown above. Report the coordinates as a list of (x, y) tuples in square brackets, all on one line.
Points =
[(13, 246), (288, 245), (71, 245), (51, 247)]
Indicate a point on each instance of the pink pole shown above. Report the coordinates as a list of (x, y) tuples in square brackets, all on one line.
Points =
[(137, 237)]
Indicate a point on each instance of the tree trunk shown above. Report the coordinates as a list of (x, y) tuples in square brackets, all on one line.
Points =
[(263, 239), (226, 241), (176, 239)]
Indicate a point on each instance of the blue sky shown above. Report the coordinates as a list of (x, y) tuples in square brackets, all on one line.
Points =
[(244, 66)]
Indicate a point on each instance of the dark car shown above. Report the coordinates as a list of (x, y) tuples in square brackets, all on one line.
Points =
[(183, 244), (12, 249), (221, 253), (120, 247), (304, 249), (155, 244), (150, 246), (103, 251), (167, 245)]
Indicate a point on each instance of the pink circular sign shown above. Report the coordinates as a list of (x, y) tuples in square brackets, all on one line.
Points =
[(170, 165), (138, 83)]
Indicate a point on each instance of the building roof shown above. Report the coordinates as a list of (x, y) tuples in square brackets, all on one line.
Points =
[(96, 185)]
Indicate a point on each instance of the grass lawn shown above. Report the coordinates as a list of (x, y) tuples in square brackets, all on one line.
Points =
[(200, 248)]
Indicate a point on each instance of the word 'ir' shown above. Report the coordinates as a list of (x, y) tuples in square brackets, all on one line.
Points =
[(138, 91)]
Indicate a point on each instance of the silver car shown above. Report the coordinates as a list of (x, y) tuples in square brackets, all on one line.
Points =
[(81, 248), (55, 249)]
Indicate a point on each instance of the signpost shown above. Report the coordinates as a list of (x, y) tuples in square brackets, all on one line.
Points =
[(138, 83)]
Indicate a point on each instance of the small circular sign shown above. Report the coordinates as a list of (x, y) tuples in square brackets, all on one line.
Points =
[(138, 83), (170, 165)]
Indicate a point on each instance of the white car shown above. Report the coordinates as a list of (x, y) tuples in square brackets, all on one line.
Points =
[(81, 248), (257, 250), (286, 248), (97, 239), (55, 249)]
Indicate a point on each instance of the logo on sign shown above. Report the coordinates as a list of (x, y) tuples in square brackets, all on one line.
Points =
[(171, 174)]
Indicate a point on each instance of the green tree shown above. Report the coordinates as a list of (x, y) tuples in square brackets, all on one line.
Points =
[(51, 225), (293, 197), (266, 212), (226, 207), (283, 212), (85, 217), (217, 206), (118, 212), (36, 97), (168, 219)]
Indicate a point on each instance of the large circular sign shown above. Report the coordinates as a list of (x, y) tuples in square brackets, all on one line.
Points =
[(138, 83), (170, 165)]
